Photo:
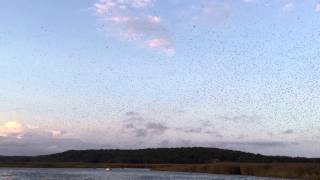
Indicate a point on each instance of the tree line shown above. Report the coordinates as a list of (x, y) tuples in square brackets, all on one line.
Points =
[(191, 155)]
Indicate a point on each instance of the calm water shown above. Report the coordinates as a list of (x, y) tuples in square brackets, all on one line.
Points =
[(115, 174)]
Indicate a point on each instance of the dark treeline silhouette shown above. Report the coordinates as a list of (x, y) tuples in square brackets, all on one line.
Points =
[(192, 155)]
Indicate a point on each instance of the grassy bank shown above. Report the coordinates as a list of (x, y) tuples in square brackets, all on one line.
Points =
[(309, 171)]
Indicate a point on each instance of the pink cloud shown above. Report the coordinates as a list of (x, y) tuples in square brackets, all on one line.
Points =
[(104, 6), (107, 6), (157, 42), (162, 44), (119, 19), (123, 18)]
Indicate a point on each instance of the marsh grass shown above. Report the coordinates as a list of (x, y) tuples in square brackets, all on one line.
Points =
[(282, 170)]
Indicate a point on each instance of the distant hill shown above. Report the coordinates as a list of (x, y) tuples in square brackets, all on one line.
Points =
[(192, 155)]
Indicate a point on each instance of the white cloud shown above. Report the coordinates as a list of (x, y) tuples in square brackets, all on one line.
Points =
[(119, 19), (142, 3), (57, 133), (248, 1), (19, 130), (317, 9), (288, 7), (154, 19), (11, 129)]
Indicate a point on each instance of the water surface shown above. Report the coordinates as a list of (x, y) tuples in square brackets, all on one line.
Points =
[(114, 174)]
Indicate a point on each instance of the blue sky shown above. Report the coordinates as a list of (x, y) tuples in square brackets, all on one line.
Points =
[(240, 74)]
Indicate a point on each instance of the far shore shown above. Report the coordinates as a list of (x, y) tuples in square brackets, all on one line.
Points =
[(308, 171)]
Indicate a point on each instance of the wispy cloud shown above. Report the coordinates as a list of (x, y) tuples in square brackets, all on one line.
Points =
[(58, 133), (142, 3), (130, 20), (142, 127), (131, 113), (251, 146), (163, 44), (242, 118), (259, 144), (208, 12), (134, 21), (317, 9), (288, 6), (249, 1), (289, 131), (40, 143), (191, 130), (17, 138), (19, 130)]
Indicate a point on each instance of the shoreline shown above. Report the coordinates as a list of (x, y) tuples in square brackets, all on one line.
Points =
[(308, 171)]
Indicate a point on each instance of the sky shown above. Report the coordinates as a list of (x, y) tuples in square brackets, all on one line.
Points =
[(235, 74)]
